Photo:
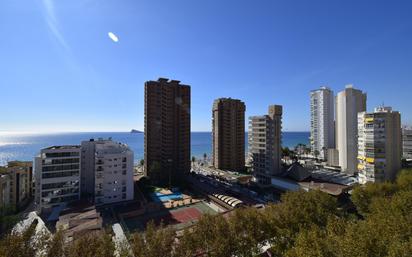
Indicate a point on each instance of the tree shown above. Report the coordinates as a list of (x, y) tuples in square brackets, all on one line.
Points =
[(248, 231), (362, 196), (204, 156), (156, 242), (193, 159), (404, 179), (316, 153), (91, 245), (285, 152), (15, 244), (7, 218), (297, 211)]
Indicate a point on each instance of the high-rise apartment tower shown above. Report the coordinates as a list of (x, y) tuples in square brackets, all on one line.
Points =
[(407, 142), (265, 140), (167, 131), (349, 103), (228, 132), (380, 145), (322, 125)]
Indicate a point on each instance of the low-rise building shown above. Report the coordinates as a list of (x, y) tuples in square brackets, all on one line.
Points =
[(333, 157), (78, 220)]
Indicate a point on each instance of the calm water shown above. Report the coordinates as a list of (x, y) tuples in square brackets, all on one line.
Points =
[(25, 146)]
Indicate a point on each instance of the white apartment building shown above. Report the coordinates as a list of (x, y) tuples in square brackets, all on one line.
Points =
[(407, 142), (265, 139), (348, 104), (322, 129), (380, 145), (57, 173), (107, 171)]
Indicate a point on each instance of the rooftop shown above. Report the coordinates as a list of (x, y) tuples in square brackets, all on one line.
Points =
[(62, 147)]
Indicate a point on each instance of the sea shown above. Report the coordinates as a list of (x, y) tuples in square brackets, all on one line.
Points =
[(24, 147)]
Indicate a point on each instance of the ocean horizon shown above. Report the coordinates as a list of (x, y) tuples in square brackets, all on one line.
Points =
[(25, 146)]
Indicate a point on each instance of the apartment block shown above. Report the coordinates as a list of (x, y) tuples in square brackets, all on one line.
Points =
[(107, 171), (407, 142), (21, 183), (167, 131), (228, 132), (322, 129), (4, 190), (265, 141), (57, 173), (380, 145), (349, 103)]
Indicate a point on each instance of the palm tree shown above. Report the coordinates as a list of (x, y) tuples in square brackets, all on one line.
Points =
[(142, 164), (316, 154)]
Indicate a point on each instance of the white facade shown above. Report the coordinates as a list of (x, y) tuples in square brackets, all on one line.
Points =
[(348, 104), (113, 172), (322, 129), (57, 173), (380, 145), (407, 142)]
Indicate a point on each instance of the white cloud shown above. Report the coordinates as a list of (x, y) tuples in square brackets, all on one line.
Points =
[(113, 37)]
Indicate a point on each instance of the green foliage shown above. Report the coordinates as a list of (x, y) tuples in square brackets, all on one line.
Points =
[(156, 242), (304, 224), (91, 245), (18, 244), (286, 151), (8, 219), (362, 196), (296, 212), (404, 180), (3, 170)]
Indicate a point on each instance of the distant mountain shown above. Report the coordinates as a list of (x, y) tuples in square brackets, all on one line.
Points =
[(136, 131)]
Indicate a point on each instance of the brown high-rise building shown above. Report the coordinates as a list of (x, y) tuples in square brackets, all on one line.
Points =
[(167, 131), (229, 134)]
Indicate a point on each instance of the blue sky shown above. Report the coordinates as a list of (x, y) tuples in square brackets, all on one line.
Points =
[(60, 71)]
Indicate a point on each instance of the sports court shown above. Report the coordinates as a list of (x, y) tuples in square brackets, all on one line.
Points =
[(178, 218)]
